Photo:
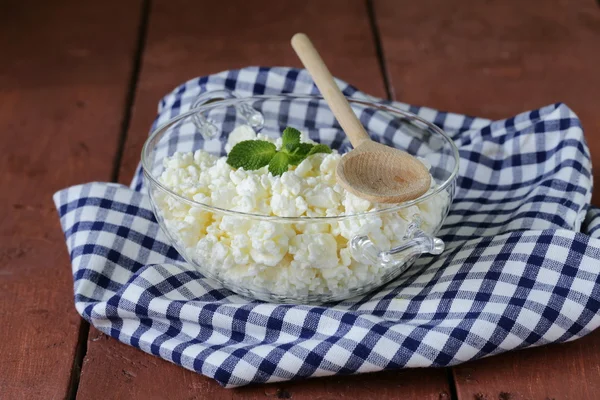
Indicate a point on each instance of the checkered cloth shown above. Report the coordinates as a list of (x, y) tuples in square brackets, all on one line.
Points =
[(521, 266)]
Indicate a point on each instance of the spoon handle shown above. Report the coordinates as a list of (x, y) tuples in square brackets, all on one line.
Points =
[(331, 92)]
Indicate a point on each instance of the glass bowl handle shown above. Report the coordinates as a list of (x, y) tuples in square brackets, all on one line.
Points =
[(415, 242), (209, 130)]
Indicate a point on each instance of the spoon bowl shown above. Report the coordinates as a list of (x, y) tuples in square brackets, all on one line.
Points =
[(382, 174)]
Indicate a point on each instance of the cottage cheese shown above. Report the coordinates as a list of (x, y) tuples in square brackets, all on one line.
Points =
[(292, 259)]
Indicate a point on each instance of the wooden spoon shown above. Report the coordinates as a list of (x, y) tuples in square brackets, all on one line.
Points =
[(373, 171)]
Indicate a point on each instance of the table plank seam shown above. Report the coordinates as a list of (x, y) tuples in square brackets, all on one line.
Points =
[(452, 383), (389, 90), (114, 177), (78, 360), (131, 94)]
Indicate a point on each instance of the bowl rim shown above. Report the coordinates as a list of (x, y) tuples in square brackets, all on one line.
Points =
[(228, 102)]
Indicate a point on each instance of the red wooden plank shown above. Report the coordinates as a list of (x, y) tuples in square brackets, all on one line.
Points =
[(495, 58), (126, 373), (430, 384), (559, 371), (187, 39), (63, 82)]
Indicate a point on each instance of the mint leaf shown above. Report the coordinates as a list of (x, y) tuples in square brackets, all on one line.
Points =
[(290, 139), (319, 148), (251, 154), (279, 164), (300, 153)]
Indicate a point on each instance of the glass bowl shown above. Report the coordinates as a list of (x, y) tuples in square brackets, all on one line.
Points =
[(298, 259)]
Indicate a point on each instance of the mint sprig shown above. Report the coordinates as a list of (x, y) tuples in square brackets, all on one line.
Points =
[(255, 154)]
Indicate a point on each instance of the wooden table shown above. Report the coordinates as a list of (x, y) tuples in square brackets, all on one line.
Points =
[(79, 84)]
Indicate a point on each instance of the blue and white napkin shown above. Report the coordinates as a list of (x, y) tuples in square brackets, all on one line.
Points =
[(521, 266)]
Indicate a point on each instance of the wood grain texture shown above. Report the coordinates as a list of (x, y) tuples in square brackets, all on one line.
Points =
[(569, 371), (417, 384), (63, 82), (495, 58), (215, 36), (124, 372), (181, 45)]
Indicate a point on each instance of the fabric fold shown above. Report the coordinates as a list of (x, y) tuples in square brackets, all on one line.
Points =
[(521, 266)]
